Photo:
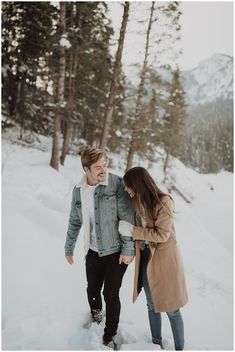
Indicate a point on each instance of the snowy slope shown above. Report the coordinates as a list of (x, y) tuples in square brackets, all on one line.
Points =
[(210, 80), (44, 304)]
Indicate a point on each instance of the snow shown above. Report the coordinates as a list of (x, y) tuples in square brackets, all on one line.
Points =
[(118, 133), (65, 42), (44, 303)]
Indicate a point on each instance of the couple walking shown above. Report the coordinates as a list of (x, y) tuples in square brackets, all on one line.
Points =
[(123, 218)]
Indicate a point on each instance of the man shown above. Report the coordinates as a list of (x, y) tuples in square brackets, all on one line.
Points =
[(98, 203)]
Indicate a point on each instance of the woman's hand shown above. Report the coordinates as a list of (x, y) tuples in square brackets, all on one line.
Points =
[(125, 228)]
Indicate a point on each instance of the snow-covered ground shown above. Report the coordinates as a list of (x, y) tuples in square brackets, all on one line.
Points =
[(44, 304)]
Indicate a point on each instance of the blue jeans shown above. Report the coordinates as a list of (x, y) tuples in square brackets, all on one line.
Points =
[(155, 320)]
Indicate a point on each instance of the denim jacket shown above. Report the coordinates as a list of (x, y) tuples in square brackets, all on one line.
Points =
[(111, 204)]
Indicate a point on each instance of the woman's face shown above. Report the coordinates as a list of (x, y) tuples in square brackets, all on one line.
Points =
[(129, 191)]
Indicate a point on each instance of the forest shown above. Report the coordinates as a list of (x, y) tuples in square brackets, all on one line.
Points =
[(63, 77)]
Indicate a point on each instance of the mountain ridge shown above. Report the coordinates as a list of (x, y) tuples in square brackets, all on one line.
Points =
[(212, 79)]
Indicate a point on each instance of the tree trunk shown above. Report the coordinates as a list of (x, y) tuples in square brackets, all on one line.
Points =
[(69, 122), (130, 155), (20, 104), (136, 130), (20, 107), (14, 98), (114, 83), (66, 142), (61, 82), (67, 127), (165, 166), (71, 98)]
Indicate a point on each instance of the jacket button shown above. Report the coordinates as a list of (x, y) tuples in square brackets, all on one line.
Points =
[(98, 237), (96, 223)]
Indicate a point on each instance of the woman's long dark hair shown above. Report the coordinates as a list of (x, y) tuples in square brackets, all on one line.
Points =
[(147, 194)]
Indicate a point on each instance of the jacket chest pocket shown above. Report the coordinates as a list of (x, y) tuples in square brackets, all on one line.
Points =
[(110, 203)]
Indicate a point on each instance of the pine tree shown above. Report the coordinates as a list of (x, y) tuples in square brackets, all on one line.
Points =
[(26, 35), (116, 140), (174, 118), (161, 50), (208, 140), (93, 70)]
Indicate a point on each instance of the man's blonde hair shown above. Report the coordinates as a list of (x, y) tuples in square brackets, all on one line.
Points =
[(90, 155)]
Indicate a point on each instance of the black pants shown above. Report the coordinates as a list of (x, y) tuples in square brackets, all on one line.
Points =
[(108, 272)]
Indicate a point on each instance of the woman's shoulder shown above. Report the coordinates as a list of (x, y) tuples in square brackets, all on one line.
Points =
[(166, 200)]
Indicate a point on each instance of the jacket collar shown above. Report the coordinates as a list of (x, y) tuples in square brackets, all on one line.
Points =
[(83, 182)]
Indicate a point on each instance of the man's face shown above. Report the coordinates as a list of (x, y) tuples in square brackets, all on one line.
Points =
[(97, 172)]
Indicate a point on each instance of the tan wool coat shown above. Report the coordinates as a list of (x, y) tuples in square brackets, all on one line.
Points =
[(165, 268)]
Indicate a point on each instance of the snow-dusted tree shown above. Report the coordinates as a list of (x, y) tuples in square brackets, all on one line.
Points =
[(172, 136), (161, 51), (94, 69), (89, 60), (116, 139), (208, 140), (115, 78), (87, 72), (26, 42)]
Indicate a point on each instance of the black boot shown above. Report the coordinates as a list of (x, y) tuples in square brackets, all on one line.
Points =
[(97, 315), (110, 342)]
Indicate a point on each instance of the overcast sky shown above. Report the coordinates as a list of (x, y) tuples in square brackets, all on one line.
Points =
[(207, 28)]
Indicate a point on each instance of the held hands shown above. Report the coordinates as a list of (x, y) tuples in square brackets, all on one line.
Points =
[(125, 228), (126, 259), (122, 259), (70, 259)]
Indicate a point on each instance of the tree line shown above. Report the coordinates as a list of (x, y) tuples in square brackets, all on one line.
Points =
[(61, 79), (209, 137)]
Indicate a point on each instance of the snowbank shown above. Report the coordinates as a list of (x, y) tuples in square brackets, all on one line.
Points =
[(44, 299)]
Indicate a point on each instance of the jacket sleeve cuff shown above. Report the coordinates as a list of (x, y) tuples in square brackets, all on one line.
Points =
[(69, 253), (128, 252)]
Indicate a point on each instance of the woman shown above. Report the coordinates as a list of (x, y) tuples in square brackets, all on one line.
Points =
[(158, 264)]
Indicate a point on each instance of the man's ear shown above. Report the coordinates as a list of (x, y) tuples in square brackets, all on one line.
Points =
[(86, 168)]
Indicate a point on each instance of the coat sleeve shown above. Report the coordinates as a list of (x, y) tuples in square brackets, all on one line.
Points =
[(125, 212), (73, 228), (163, 225)]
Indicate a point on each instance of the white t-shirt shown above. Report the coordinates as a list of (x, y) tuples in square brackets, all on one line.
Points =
[(93, 244)]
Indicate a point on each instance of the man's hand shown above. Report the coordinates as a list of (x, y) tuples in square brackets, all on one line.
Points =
[(70, 259), (126, 259)]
